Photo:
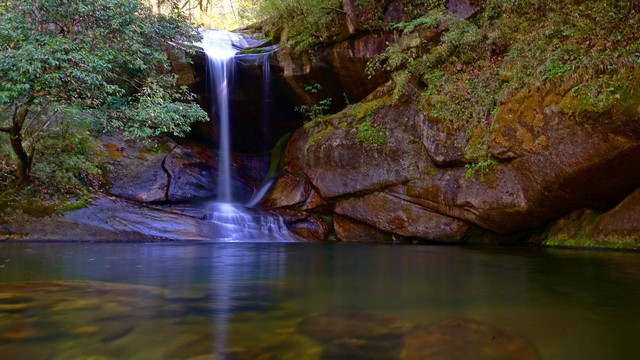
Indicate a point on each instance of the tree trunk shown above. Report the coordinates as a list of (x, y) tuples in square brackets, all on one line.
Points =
[(15, 133), (350, 11)]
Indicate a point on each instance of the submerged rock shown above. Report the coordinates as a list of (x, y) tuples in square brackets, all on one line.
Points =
[(379, 348), (462, 339), (341, 324)]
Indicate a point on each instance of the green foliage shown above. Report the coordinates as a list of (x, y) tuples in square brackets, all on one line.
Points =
[(369, 134), (103, 56), (481, 168), (307, 22), (67, 157), (317, 110)]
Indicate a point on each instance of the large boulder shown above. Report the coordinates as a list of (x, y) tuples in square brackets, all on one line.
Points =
[(137, 172), (618, 228), (395, 171)]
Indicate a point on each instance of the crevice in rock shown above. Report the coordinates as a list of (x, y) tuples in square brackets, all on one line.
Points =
[(166, 171), (361, 193)]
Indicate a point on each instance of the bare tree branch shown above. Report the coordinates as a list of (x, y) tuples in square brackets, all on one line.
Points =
[(333, 8)]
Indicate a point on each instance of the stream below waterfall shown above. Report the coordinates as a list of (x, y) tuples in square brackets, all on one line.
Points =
[(313, 301), (235, 222)]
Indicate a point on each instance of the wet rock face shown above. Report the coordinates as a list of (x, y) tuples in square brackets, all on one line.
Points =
[(261, 105), (288, 191), (413, 184)]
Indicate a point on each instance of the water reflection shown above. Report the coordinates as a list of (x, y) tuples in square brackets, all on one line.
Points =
[(174, 301)]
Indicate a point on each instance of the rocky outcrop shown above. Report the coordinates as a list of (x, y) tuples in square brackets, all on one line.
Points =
[(618, 228), (339, 68), (397, 216), (108, 219), (105, 220), (412, 180), (176, 172)]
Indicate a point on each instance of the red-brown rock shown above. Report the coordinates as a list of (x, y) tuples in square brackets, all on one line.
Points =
[(287, 191), (396, 216), (463, 339), (311, 228), (349, 230)]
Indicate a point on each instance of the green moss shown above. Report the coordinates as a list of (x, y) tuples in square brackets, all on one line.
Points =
[(368, 134), (577, 231), (253, 51), (366, 109), (41, 206), (320, 135), (278, 155)]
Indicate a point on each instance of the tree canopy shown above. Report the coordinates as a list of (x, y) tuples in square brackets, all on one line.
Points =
[(106, 55)]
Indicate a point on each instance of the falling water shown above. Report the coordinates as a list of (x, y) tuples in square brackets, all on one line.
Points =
[(266, 95), (235, 223), (218, 45)]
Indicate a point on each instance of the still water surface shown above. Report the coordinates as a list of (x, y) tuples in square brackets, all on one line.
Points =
[(246, 300)]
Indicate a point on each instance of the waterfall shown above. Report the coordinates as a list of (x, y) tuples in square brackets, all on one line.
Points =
[(218, 46), (266, 94), (232, 221)]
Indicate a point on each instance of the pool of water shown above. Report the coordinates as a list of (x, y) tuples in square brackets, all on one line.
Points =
[(311, 301)]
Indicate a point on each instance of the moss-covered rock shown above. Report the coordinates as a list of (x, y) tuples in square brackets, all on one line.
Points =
[(618, 228)]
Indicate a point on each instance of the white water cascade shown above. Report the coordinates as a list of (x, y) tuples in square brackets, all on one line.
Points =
[(235, 222)]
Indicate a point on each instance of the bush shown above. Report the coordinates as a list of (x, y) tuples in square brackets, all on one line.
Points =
[(68, 158)]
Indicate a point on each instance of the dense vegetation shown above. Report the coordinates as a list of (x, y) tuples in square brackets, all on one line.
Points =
[(71, 70), (212, 14), (463, 69), (590, 49)]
